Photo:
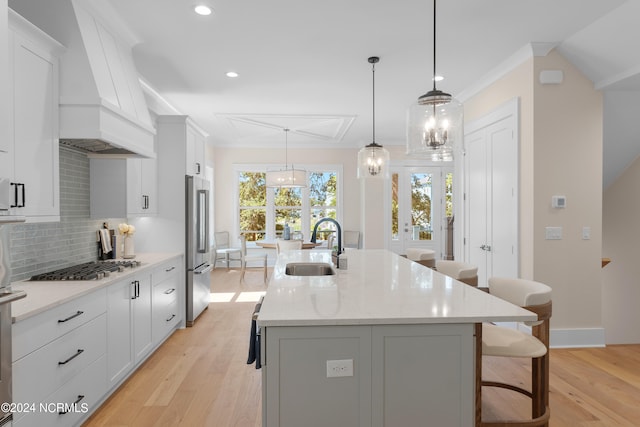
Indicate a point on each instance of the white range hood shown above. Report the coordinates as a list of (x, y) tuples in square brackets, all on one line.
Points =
[(102, 106)]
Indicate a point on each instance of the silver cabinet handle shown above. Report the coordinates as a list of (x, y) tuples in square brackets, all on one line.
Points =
[(169, 269), (171, 318), (170, 291)]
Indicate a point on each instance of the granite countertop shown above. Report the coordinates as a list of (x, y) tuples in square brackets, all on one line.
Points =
[(42, 296), (378, 287)]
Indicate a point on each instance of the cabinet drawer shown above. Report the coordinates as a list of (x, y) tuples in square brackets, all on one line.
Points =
[(46, 369), (34, 332), (170, 269), (86, 388), (165, 319), (165, 293)]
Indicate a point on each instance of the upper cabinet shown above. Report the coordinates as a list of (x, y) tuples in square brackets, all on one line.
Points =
[(123, 187), (33, 121), (195, 151), (4, 88)]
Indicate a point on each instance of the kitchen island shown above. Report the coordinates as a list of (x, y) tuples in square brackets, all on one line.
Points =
[(386, 342)]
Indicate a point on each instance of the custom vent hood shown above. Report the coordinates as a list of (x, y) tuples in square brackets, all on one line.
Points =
[(102, 106)]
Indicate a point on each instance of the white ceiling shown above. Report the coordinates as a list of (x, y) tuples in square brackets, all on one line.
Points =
[(303, 64)]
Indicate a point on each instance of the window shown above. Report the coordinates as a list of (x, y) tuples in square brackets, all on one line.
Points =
[(263, 212), (252, 197)]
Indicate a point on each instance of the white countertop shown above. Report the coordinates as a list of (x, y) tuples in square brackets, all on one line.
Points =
[(42, 296), (379, 287)]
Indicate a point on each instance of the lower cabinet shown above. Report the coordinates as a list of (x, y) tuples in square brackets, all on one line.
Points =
[(129, 336), (402, 375), (59, 367), (167, 285), (67, 360)]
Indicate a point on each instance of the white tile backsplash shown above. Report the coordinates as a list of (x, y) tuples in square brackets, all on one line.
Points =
[(41, 247)]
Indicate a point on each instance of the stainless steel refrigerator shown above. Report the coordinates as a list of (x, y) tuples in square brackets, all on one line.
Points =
[(198, 266)]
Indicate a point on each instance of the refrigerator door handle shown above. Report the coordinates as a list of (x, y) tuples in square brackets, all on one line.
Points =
[(204, 269), (203, 221)]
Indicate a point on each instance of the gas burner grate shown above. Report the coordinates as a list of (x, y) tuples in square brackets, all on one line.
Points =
[(93, 270)]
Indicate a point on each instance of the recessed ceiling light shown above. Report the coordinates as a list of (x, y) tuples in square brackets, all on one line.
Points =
[(202, 9), (232, 74)]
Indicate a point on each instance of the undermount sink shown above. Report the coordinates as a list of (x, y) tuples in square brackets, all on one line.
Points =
[(309, 269)]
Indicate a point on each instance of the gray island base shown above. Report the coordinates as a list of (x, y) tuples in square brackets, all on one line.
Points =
[(387, 342)]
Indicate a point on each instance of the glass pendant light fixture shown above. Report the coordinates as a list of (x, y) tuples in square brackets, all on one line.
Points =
[(287, 178), (434, 122), (373, 159)]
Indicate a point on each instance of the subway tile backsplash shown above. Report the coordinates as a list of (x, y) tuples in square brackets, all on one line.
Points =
[(41, 247)]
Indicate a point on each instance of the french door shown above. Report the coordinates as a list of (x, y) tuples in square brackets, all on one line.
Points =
[(418, 206)]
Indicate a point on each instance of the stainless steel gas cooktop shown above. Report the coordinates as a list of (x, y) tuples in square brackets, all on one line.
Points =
[(93, 270)]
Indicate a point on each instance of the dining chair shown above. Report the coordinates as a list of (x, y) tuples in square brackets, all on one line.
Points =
[(462, 271), (246, 258), (351, 239), (288, 245), (500, 341), (224, 253), (330, 239)]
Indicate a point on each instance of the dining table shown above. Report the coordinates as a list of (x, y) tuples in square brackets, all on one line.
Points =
[(271, 244)]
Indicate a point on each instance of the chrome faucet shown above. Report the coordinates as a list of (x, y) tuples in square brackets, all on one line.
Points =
[(315, 229)]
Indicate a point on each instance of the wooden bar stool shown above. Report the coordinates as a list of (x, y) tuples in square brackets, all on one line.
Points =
[(462, 271), (506, 342)]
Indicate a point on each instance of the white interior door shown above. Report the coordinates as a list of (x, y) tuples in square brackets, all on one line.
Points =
[(416, 209), (491, 195)]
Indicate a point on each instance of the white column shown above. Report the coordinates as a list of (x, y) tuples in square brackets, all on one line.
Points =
[(372, 213)]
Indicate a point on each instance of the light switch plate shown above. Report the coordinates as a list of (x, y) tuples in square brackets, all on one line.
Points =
[(553, 233), (586, 233)]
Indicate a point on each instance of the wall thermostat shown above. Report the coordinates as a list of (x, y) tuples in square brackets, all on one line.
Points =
[(559, 201)]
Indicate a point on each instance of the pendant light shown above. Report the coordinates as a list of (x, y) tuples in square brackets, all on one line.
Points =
[(287, 178), (373, 159), (434, 122)]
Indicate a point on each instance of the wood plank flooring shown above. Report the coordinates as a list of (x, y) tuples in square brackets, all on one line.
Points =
[(199, 377)]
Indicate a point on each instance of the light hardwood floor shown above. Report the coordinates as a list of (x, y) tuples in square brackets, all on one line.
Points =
[(199, 377)]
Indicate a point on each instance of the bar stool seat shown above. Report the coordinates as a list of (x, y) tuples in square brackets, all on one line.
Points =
[(426, 257), (462, 271), (506, 342)]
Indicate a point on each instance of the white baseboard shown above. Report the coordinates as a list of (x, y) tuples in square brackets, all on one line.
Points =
[(571, 338)]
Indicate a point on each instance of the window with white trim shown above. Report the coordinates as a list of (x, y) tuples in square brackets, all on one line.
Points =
[(263, 212)]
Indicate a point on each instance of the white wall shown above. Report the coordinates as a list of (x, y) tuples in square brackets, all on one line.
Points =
[(560, 154), (621, 234)]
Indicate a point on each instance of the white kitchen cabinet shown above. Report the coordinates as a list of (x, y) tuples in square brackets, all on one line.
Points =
[(123, 187), (195, 150), (129, 338), (54, 351), (188, 142), (5, 112), (168, 291), (33, 126)]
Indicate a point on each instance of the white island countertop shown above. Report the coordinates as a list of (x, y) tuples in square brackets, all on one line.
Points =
[(378, 287), (42, 296)]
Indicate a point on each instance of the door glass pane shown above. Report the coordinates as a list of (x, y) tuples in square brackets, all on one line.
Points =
[(448, 207), (421, 225), (394, 206)]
